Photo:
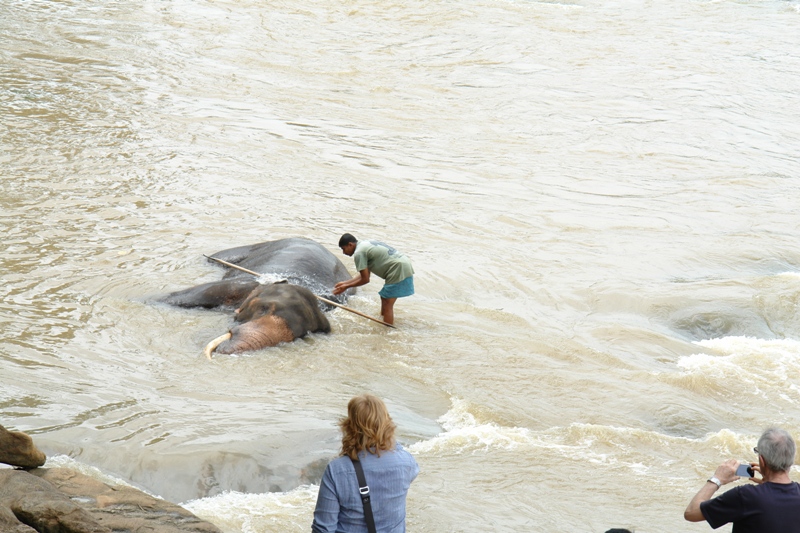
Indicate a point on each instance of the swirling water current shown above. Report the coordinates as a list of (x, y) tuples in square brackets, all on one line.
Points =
[(599, 199)]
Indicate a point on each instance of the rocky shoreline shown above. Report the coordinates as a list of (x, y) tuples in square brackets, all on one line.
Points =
[(61, 500)]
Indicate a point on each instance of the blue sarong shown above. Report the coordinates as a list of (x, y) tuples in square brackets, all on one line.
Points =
[(398, 290)]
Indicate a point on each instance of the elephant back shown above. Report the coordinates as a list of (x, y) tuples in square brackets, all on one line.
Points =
[(300, 261)]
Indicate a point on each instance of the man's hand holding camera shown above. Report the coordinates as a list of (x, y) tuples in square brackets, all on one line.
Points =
[(731, 470)]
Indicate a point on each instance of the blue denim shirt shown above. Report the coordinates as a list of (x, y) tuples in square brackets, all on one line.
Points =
[(339, 508)]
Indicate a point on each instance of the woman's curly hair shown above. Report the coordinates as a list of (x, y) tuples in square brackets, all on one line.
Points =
[(367, 426)]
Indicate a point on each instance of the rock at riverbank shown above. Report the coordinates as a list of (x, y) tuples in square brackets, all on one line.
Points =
[(55, 500), (60, 500), (17, 449)]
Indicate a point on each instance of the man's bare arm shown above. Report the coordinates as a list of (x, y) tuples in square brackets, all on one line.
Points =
[(362, 278), (725, 473)]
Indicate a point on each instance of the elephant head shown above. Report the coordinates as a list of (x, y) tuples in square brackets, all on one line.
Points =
[(270, 315)]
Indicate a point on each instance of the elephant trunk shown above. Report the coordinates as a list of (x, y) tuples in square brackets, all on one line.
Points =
[(256, 334)]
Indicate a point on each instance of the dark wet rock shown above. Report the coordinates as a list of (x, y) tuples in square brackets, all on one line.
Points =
[(17, 449)]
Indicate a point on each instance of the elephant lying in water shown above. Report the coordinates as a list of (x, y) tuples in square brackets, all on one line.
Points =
[(267, 315)]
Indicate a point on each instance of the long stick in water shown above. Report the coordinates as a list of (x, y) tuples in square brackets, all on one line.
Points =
[(329, 302)]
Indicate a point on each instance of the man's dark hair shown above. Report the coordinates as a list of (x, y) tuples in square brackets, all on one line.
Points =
[(347, 238), (777, 448)]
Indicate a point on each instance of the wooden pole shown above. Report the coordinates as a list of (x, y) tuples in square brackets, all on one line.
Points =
[(329, 302)]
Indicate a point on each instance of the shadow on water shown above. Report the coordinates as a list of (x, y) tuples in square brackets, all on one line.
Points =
[(707, 322)]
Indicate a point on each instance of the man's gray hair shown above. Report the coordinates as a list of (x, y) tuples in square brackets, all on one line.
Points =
[(777, 448)]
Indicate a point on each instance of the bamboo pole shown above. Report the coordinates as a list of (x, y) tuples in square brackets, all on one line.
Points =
[(329, 302)]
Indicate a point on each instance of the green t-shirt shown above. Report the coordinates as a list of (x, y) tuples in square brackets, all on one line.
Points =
[(383, 261)]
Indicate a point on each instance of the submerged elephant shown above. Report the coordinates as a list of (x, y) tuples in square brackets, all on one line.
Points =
[(267, 315)]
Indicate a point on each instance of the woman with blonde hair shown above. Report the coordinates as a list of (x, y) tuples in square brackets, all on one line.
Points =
[(368, 440)]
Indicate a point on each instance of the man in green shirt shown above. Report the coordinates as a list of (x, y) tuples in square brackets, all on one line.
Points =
[(384, 261)]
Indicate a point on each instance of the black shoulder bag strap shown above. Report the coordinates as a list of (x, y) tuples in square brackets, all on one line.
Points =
[(363, 489)]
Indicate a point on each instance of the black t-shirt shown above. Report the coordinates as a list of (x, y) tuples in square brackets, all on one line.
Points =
[(764, 508)]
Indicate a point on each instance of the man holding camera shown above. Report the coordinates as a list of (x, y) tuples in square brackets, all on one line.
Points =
[(772, 505)]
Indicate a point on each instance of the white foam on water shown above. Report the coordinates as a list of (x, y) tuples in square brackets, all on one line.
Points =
[(464, 433), (747, 366), (606, 446), (235, 512), (779, 355), (752, 345), (592, 443)]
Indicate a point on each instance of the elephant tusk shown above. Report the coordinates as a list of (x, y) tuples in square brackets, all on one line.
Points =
[(211, 346)]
